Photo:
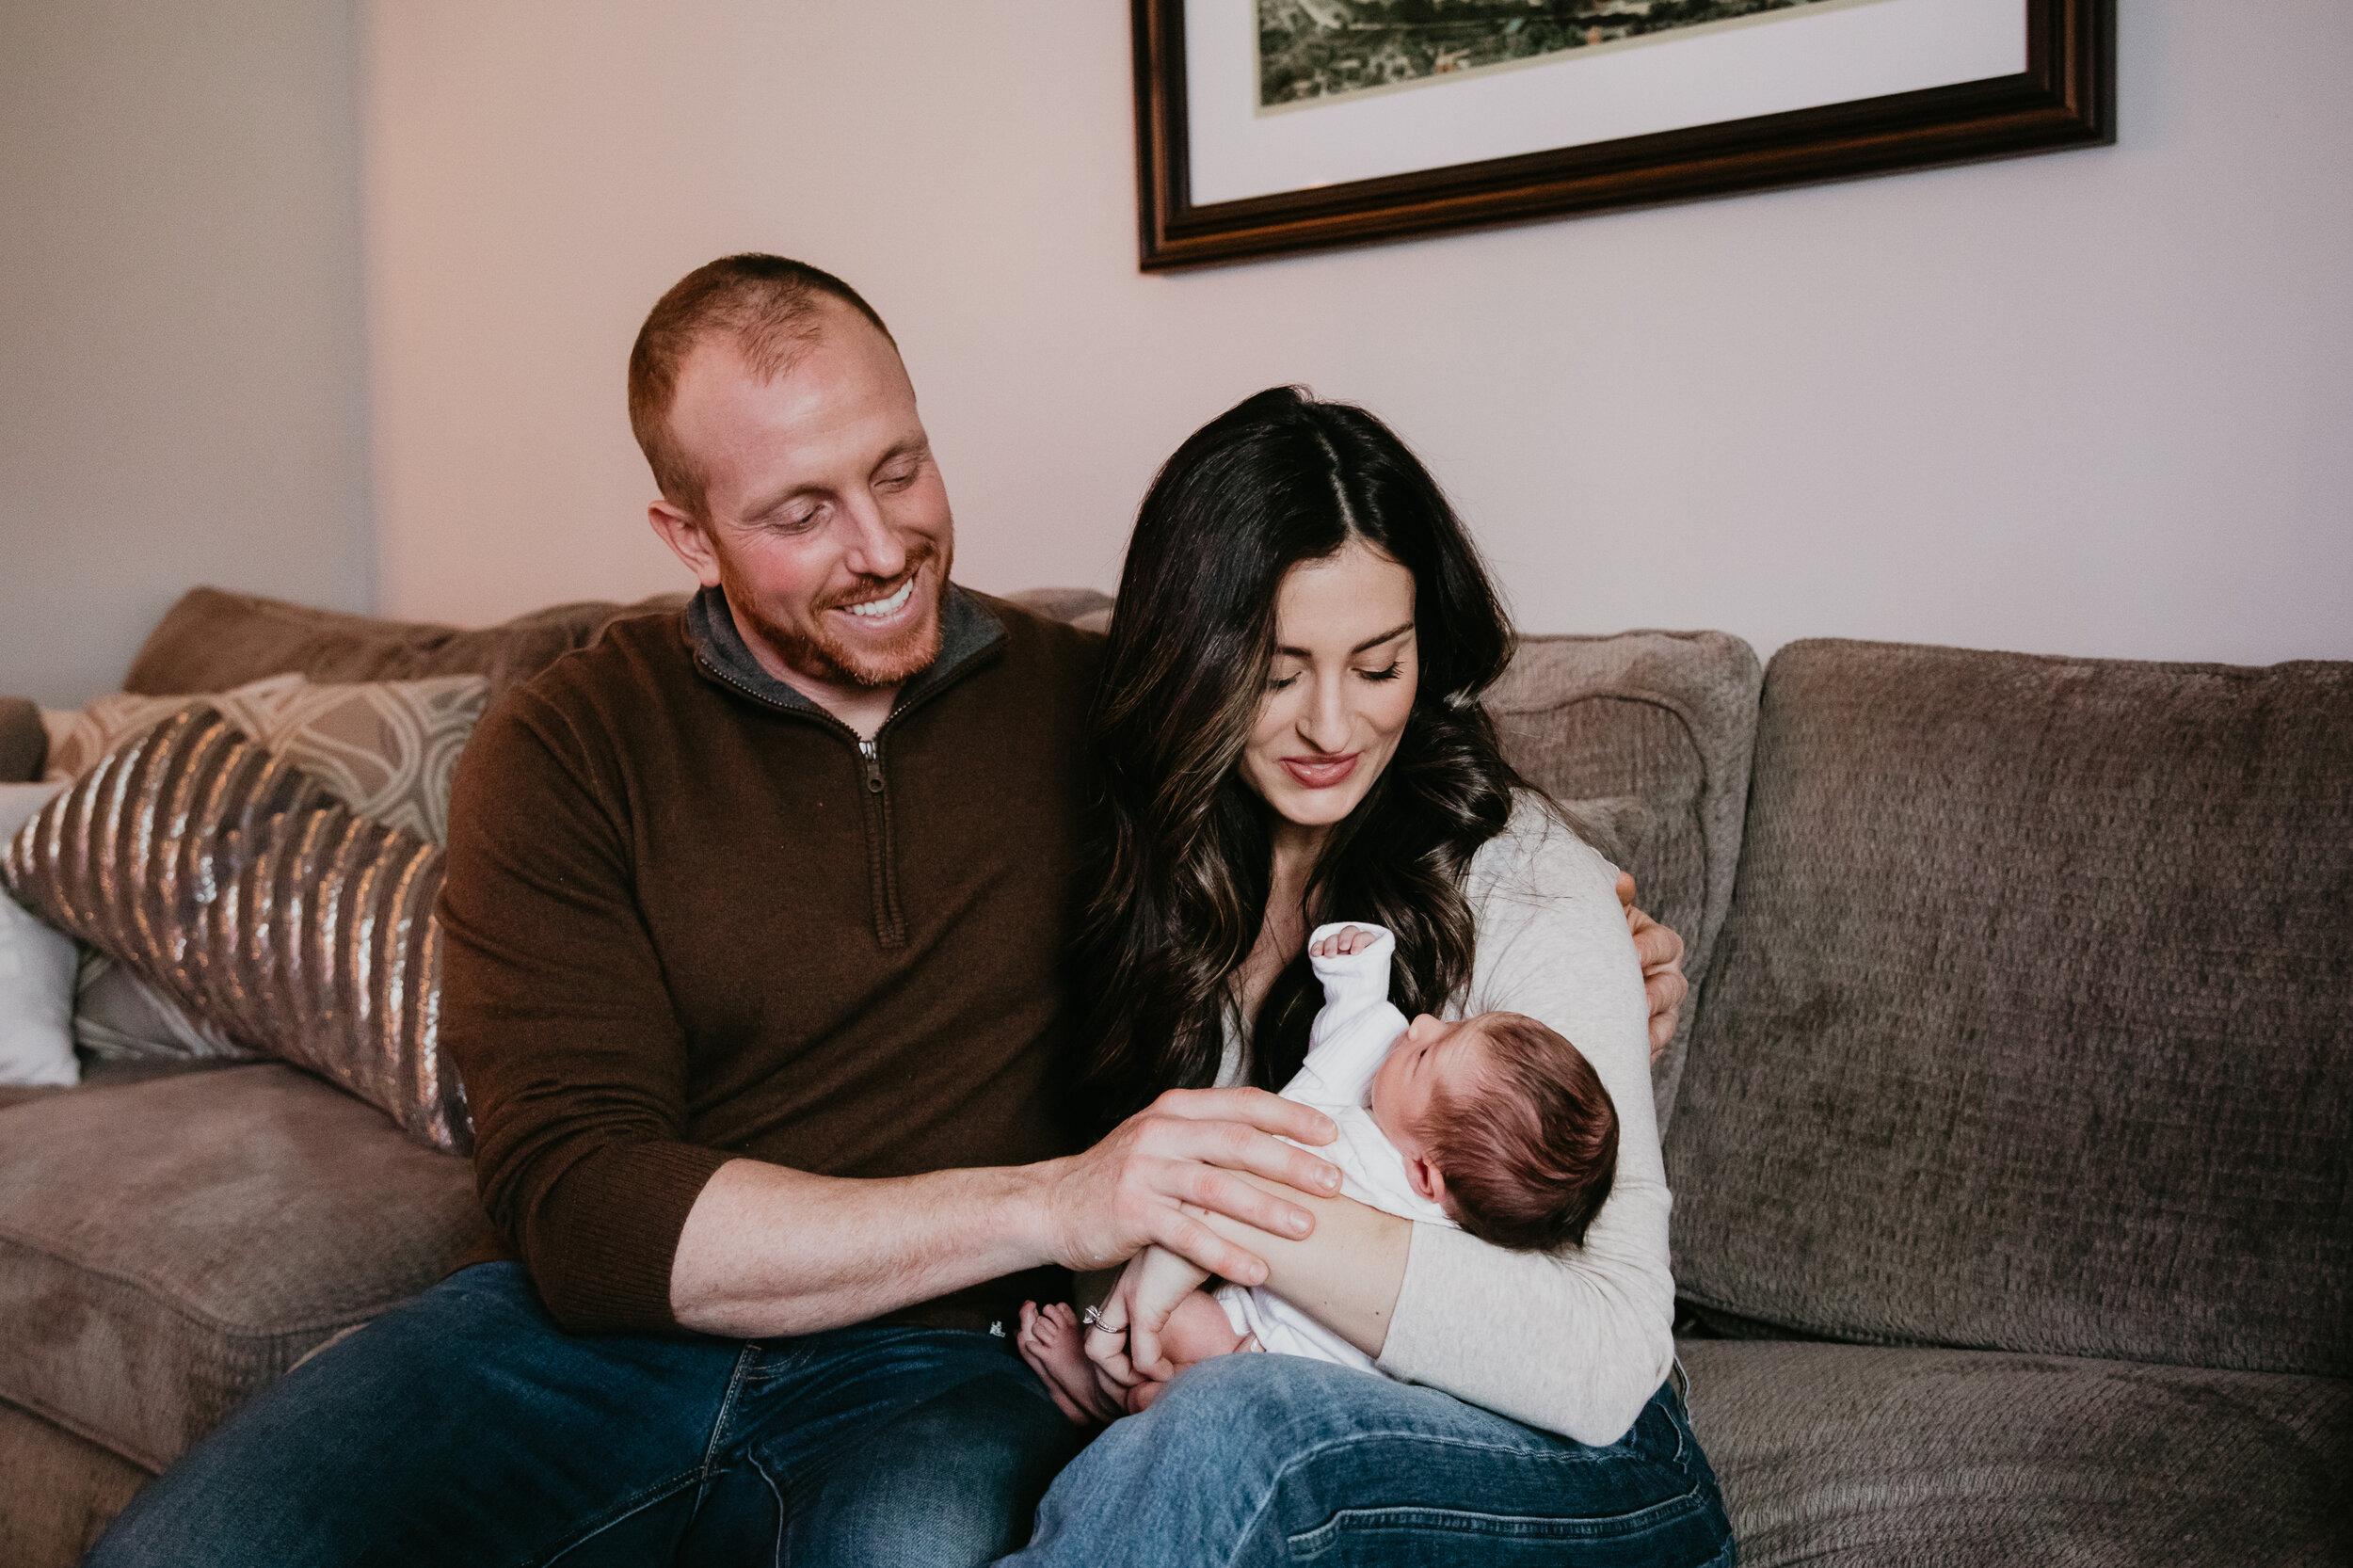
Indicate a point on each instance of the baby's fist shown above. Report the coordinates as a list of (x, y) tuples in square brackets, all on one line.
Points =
[(1341, 942)]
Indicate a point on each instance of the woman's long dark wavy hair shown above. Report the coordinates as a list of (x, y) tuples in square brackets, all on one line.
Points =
[(1183, 847)]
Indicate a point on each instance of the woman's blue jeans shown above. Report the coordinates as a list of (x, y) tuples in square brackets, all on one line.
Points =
[(464, 1428), (1254, 1460)]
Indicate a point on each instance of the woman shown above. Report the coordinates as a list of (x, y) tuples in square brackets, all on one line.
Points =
[(1291, 732)]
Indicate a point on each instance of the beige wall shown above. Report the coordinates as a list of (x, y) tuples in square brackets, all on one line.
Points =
[(181, 389), (2092, 402)]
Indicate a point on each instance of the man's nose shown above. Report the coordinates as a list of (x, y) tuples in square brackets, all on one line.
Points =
[(876, 550)]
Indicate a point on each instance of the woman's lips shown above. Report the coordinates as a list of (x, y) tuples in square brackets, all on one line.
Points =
[(1320, 773)]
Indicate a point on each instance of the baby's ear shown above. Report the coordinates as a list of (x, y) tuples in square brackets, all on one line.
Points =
[(1427, 1178)]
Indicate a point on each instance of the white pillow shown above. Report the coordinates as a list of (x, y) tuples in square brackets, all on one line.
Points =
[(37, 966)]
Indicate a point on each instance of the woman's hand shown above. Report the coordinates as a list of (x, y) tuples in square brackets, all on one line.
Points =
[(1661, 953), (1189, 1146), (1048, 1341), (1125, 1340)]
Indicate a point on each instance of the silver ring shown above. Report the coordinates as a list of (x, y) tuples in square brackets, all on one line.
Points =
[(1093, 1318)]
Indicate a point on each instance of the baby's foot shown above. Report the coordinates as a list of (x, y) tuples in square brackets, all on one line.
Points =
[(1049, 1341)]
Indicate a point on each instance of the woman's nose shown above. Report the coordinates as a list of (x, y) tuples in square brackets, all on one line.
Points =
[(1325, 725)]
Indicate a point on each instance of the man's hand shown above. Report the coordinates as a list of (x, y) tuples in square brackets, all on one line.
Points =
[(1661, 952), (1127, 1191)]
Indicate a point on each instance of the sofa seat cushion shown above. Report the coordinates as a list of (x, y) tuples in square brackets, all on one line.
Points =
[(170, 1245), (1843, 1454)]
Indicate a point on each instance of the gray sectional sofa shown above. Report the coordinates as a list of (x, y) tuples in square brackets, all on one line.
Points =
[(2008, 1127)]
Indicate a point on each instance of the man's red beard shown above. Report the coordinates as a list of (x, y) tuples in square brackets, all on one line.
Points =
[(823, 657)]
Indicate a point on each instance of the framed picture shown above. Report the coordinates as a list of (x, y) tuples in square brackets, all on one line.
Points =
[(1267, 126)]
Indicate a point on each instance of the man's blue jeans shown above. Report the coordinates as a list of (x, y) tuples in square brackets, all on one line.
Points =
[(1254, 1460), (465, 1427)]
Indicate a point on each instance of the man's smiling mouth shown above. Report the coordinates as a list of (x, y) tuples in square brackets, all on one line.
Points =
[(878, 609)]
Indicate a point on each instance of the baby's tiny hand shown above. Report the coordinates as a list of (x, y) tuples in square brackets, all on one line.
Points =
[(1343, 941)]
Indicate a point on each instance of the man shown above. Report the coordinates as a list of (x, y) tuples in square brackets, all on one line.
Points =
[(754, 922)]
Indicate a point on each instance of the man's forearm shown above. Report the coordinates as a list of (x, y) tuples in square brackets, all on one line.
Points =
[(771, 1251)]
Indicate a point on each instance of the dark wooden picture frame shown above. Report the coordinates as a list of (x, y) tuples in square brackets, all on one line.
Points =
[(2066, 97)]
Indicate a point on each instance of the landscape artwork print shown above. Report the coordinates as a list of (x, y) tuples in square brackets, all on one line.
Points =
[(1315, 51)]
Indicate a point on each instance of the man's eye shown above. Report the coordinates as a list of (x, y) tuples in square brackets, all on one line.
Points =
[(895, 481)]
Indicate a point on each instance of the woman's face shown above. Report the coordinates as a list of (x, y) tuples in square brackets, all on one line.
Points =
[(1342, 683)]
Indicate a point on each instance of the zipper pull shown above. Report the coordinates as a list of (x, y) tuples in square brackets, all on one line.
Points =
[(872, 756)]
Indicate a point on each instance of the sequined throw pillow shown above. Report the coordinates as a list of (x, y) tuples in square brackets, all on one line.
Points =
[(233, 883)]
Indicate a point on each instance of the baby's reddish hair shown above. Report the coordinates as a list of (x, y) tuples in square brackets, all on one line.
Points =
[(1528, 1155)]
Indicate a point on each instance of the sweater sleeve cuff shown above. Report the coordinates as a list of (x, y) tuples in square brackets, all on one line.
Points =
[(1416, 1338), (608, 1234)]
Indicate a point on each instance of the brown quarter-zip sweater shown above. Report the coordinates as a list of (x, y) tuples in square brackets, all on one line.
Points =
[(690, 916)]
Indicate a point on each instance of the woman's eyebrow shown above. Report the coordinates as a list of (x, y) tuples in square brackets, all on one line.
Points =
[(1390, 635)]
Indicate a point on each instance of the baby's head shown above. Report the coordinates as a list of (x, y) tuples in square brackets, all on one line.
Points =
[(1503, 1123)]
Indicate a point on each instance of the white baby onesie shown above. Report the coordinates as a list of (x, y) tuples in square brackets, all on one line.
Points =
[(1346, 1046)]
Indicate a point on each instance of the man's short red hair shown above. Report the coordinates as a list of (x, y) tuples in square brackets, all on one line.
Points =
[(1529, 1156), (770, 306)]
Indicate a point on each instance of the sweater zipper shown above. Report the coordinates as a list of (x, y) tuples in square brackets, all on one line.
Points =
[(881, 859)]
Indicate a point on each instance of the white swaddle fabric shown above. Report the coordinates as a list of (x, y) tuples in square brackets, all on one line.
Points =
[(1346, 1046)]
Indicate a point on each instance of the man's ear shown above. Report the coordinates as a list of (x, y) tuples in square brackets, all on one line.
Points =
[(688, 539), (1427, 1178)]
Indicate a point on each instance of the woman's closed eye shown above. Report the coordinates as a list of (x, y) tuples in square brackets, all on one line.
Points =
[(1284, 682)]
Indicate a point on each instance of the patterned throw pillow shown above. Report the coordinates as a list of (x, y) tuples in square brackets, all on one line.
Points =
[(228, 880), (386, 749)]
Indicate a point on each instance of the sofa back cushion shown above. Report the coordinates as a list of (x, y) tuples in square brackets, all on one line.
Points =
[(2030, 1027), (1646, 735), (212, 640)]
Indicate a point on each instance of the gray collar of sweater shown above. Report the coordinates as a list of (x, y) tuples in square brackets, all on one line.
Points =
[(967, 631)]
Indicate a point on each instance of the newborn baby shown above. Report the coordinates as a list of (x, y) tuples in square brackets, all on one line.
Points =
[(1494, 1124)]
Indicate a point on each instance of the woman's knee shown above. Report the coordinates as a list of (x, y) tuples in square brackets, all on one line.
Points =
[(1235, 1408)]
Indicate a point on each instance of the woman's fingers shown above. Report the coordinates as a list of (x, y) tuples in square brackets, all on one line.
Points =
[(1660, 948), (1666, 990), (1106, 1341), (1110, 1359), (1143, 1352)]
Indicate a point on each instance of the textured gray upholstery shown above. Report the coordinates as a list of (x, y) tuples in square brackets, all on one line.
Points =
[(1650, 732), (1843, 1456), (168, 1245), (2031, 1026)]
